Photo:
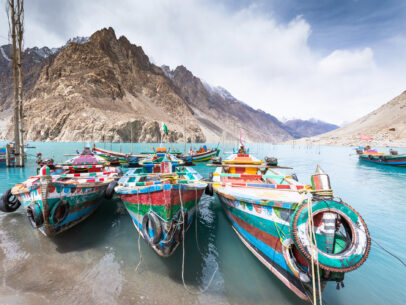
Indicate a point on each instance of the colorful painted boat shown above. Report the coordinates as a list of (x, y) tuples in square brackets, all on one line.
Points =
[(121, 158), (3, 156), (203, 154), (62, 195), (373, 156), (161, 198), (270, 214)]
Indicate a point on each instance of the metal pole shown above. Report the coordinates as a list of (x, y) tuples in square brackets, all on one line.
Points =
[(8, 159)]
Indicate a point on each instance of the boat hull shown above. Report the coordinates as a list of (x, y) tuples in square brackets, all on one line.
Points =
[(262, 229), (83, 201), (167, 205), (385, 160), (206, 156)]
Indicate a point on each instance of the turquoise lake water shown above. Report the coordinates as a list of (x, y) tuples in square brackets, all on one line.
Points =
[(95, 261)]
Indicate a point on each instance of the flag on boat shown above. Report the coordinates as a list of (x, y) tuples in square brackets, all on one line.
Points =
[(164, 128), (365, 137)]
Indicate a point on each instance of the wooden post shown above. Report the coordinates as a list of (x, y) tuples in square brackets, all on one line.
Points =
[(20, 31), (8, 156)]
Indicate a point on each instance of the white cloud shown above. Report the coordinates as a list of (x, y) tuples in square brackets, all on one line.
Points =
[(264, 63)]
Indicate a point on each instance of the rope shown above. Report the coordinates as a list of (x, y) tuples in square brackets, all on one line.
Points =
[(387, 251), (313, 237), (183, 250), (139, 235)]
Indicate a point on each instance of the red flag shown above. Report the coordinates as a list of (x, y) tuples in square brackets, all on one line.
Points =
[(365, 137)]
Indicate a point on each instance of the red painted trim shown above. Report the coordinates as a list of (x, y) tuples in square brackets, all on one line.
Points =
[(266, 238)]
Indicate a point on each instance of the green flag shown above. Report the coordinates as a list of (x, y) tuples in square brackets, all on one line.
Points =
[(164, 128)]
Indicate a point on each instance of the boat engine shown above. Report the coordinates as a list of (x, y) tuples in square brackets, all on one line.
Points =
[(271, 161), (393, 152)]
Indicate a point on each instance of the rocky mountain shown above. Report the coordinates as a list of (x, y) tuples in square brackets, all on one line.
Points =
[(220, 115), (105, 88), (308, 128), (385, 125)]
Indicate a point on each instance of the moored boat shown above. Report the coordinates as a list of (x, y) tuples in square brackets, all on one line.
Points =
[(3, 160), (118, 157), (202, 154), (271, 212), (161, 198), (373, 156), (62, 195)]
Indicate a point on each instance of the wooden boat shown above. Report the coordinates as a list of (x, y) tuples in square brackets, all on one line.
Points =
[(161, 198), (373, 156), (62, 195), (270, 214), (3, 156), (121, 158), (203, 154)]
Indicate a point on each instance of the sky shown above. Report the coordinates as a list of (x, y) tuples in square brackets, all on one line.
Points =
[(334, 60)]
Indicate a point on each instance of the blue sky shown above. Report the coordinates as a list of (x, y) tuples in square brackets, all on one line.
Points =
[(334, 60)]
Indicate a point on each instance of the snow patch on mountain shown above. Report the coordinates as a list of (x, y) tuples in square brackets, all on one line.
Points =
[(4, 54)]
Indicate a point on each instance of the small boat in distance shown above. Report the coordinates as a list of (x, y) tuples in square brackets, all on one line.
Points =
[(3, 156), (373, 156), (289, 226), (161, 198), (62, 195), (202, 154), (118, 157)]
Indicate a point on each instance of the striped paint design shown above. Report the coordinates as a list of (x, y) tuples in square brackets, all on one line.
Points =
[(260, 235), (387, 160), (205, 156), (83, 201)]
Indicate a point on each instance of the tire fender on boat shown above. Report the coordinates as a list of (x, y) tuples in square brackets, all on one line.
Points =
[(59, 212), (357, 243), (151, 222), (110, 190), (9, 202), (34, 214), (291, 261)]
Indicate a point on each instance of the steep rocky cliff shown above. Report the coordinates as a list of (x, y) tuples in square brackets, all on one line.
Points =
[(220, 115), (105, 88)]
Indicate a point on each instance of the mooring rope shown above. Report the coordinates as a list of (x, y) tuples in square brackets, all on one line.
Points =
[(183, 252), (139, 234), (313, 237)]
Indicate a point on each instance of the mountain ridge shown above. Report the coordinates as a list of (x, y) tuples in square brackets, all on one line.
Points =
[(109, 77)]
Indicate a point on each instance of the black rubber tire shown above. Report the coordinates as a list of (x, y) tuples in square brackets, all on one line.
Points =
[(151, 220), (8, 202), (36, 219), (64, 205), (110, 190)]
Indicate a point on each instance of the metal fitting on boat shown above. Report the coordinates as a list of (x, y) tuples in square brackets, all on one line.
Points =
[(320, 180)]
